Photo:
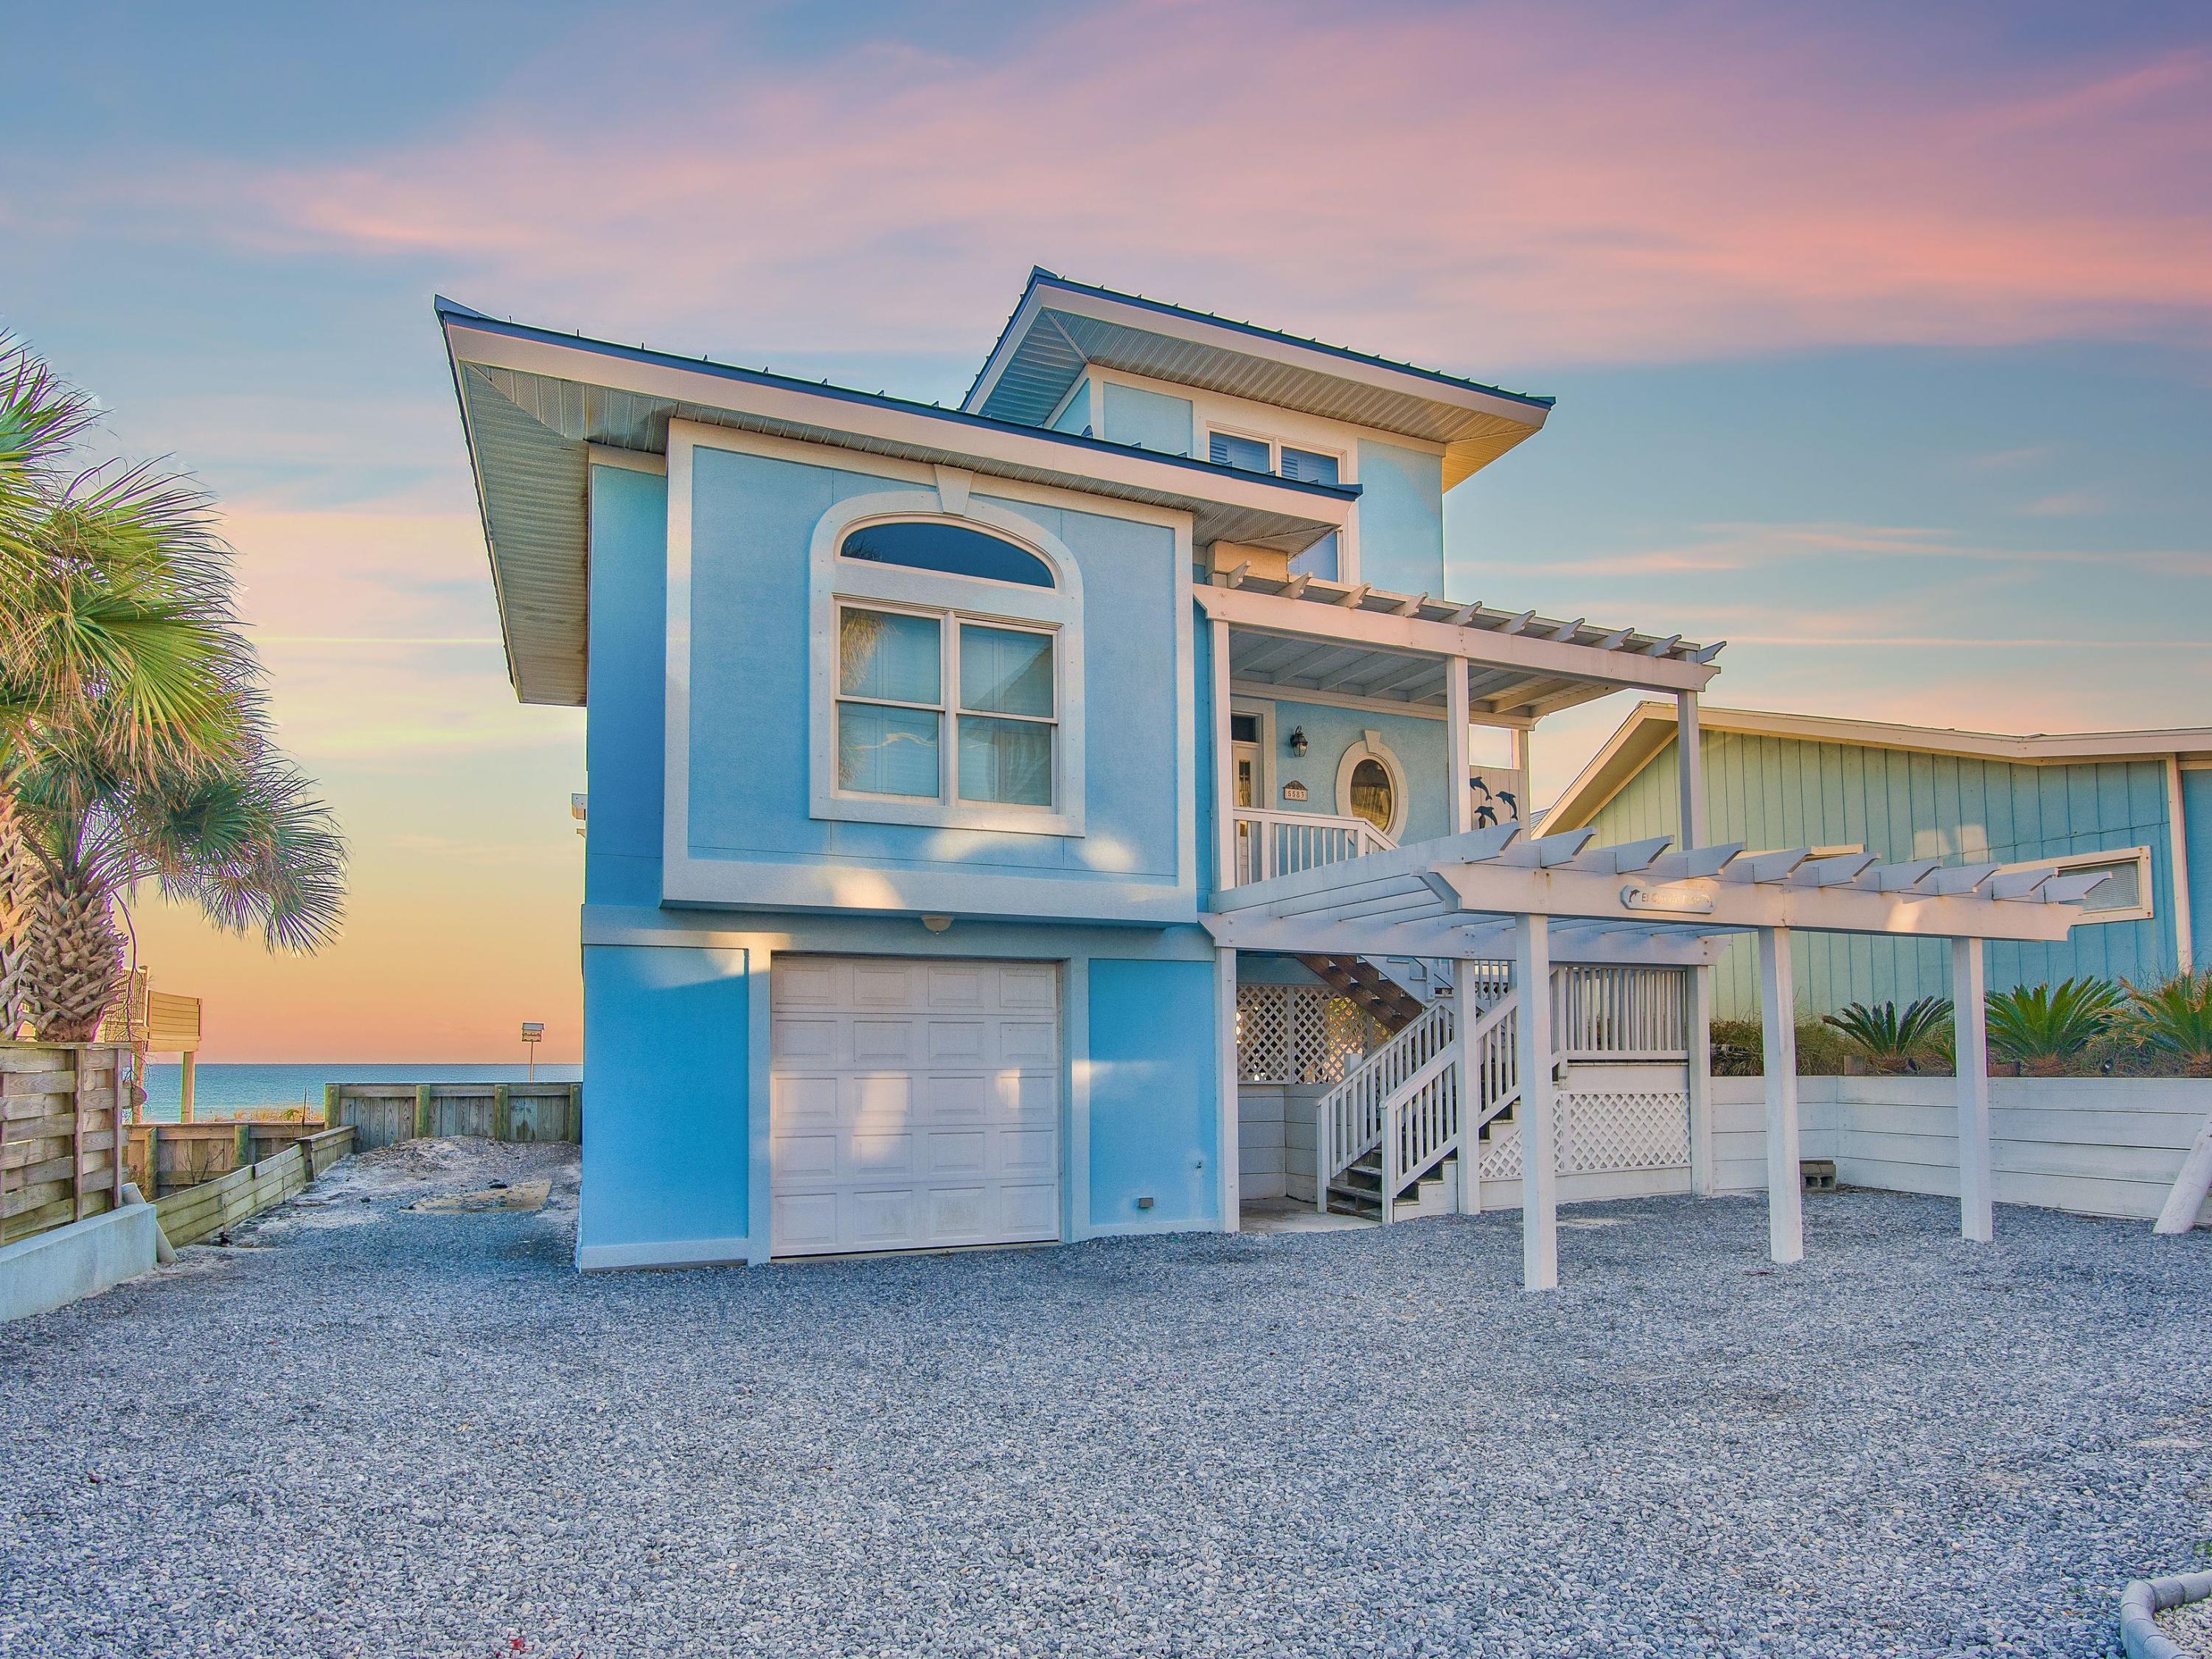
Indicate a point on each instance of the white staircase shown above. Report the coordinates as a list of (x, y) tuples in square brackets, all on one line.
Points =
[(1393, 1139)]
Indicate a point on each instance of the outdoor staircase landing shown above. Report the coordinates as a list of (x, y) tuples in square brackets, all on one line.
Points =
[(1389, 1003)]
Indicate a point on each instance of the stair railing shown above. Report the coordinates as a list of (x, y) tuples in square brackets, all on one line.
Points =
[(1348, 1118), (1426, 1119)]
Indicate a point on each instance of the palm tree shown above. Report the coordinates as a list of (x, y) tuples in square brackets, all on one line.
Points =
[(1893, 1041), (132, 741), (2043, 1027)]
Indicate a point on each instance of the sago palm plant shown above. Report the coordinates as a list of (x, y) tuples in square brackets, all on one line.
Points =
[(2174, 1018), (1890, 1041), (132, 745), (2044, 1028)]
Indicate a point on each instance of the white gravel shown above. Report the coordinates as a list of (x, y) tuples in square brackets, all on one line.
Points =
[(2190, 1628), (425, 1434)]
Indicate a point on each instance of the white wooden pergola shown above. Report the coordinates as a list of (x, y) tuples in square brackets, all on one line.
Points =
[(1482, 894)]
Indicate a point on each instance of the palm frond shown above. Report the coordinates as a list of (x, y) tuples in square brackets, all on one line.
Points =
[(2174, 1017), (2042, 1027), (1890, 1039)]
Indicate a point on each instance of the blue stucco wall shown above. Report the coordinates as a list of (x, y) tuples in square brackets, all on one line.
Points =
[(1154, 1127), (666, 1151), (1152, 419), (1077, 415), (1419, 745), (1778, 792), (623, 747), (1401, 518), (752, 522)]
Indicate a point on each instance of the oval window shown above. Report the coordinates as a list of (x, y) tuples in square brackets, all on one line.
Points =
[(953, 548), (1372, 797)]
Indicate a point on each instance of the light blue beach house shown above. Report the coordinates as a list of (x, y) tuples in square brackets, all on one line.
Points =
[(1083, 811)]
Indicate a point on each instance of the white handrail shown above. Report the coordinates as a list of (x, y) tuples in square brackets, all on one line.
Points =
[(1426, 1120), (1271, 842), (1348, 1118)]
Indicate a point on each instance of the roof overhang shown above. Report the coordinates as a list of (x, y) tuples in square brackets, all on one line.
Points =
[(1650, 727), (1464, 897), (533, 402), (1308, 636), (1061, 326)]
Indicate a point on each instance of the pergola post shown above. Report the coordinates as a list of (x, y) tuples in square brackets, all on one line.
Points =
[(1539, 1105), (1970, 1038), (1698, 982), (1223, 781), (1465, 1016), (1777, 1014), (1229, 1153), (1462, 768)]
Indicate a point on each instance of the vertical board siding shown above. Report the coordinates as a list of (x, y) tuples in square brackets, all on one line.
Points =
[(1770, 792)]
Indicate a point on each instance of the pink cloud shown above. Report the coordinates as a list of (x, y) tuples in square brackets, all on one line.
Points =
[(1515, 185)]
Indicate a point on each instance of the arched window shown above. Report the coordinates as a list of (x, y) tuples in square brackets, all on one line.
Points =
[(948, 668), (954, 549), (1371, 784)]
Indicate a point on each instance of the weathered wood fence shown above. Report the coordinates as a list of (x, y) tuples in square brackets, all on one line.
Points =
[(383, 1113), (58, 1113), (201, 1211), (167, 1158)]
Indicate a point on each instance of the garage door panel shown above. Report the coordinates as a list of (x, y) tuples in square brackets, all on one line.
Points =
[(914, 1104)]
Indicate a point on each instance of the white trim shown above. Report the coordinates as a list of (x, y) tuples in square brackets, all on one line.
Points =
[(1777, 1019), (1225, 792), (1228, 1154), (628, 460), (665, 1253), (2177, 836), (2063, 862), (1970, 1047), (1075, 1034), (1538, 1109), (676, 702), (1274, 693), (760, 1103), (1459, 764), (1370, 746)]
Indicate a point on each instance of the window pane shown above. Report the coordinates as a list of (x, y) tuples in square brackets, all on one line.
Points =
[(887, 653), (1008, 761), (886, 751), (1318, 561), (2122, 890), (1371, 796), (1004, 673), (1249, 453), (928, 545), (1243, 729), (1307, 467)]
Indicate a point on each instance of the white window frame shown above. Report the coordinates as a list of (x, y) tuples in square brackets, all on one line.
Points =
[(1275, 446), (2065, 863), (838, 582)]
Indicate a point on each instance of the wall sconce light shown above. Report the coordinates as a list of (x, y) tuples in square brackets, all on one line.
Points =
[(1298, 743)]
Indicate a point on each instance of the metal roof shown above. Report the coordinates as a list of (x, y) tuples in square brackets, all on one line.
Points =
[(532, 399), (1061, 327)]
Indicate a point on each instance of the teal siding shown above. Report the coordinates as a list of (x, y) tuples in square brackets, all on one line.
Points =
[(2197, 823), (1149, 419), (1770, 792), (1401, 518)]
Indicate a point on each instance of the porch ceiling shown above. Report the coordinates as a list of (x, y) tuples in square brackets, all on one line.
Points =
[(1309, 635), (1461, 896)]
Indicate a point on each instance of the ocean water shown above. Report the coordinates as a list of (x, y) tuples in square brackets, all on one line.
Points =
[(223, 1088)]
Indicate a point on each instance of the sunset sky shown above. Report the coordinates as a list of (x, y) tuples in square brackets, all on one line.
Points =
[(1882, 340)]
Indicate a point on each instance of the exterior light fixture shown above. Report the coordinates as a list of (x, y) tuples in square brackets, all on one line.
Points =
[(937, 924), (1298, 743)]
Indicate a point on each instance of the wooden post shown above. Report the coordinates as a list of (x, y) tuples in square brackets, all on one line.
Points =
[(425, 1112), (1697, 1033), (245, 1157), (116, 1143), (333, 1097), (576, 1113), (502, 1112), (1460, 767), (1465, 1017), (2179, 1214), (1970, 1042), (187, 1083), (1778, 1014), (1227, 1071), (1539, 1111), (81, 1058)]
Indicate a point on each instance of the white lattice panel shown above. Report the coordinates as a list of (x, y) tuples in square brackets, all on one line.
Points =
[(1298, 1034), (1601, 1131)]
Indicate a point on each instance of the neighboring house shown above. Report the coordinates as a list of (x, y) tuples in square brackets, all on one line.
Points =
[(998, 815), (2135, 806)]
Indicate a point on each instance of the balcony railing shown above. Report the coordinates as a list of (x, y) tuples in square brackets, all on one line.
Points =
[(1270, 843)]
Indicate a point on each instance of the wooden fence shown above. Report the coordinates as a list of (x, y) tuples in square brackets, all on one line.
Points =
[(167, 1157), (58, 1113), (384, 1113), (191, 1213)]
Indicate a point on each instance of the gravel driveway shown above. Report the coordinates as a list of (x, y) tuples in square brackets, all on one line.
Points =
[(377, 1433)]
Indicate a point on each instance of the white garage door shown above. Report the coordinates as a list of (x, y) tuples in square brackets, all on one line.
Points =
[(915, 1104)]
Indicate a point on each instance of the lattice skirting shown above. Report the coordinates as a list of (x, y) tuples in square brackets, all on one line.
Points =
[(1300, 1034), (1603, 1130)]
